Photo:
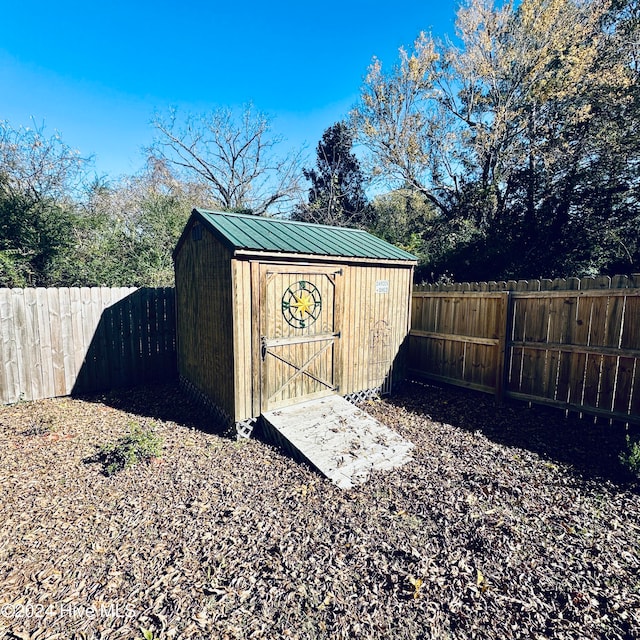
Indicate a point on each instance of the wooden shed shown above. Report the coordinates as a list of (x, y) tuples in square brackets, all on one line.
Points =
[(272, 312)]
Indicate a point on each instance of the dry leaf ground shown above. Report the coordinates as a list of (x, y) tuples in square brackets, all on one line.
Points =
[(509, 523)]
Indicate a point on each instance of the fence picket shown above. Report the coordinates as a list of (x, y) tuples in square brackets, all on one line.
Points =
[(20, 341), (624, 382), (66, 338), (572, 343), (57, 341), (57, 351), (592, 380), (34, 373), (10, 383), (607, 382), (634, 408)]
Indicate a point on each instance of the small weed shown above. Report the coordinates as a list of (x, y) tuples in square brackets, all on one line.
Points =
[(240, 443), (140, 444), (40, 427), (416, 583), (631, 457)]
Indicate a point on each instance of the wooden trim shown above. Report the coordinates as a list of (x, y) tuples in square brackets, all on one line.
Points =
[(490, 342), (256, 319), (458, 383), (564, 293), (279, 342), (338, 320), (313, 258), (503, 325), (573, 293), (410, 299), (575, 348), (570, 406), (305, 270), (458, 294)]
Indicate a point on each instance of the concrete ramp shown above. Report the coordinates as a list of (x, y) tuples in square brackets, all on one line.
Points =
[(343, 442)]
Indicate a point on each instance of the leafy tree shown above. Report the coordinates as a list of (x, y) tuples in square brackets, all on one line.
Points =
[(39, 177), (527, 131), (407, 219), (336, 195), (127, 231), (400, 121), (234, 157)]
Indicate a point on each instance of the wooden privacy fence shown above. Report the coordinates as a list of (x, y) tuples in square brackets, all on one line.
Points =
[(572, 347), (55, 342)]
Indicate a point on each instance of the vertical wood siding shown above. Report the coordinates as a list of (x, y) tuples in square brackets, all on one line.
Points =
[(577, 349), (568, 343), (54, 342), (374, 325), (459, 337), (205, 317), (243, 304)]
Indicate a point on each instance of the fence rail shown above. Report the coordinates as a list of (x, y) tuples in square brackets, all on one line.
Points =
[(575, 348), (573, 344), (55, 342), (559, 284)]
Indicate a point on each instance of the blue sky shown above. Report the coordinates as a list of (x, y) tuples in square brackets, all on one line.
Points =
[(96, 72)]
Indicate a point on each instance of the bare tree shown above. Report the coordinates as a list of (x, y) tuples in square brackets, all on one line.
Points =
[(39, 166), (235, 157)]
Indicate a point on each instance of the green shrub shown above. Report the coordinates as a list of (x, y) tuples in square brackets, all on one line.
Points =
[(631, 457), (140, 444)]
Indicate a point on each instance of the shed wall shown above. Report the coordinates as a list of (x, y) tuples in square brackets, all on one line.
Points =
[(204, 298), (247, 391), (372, 315), (375, 323), (218, 300)]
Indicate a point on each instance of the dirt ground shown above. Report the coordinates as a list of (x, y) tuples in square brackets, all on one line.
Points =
[(510, 522)]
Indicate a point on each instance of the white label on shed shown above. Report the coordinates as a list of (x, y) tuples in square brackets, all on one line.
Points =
[(382, 286)]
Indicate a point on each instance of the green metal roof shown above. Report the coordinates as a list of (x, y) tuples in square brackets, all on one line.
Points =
[(254, 233)]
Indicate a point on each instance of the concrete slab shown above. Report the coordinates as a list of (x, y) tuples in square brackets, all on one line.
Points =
[(340, 440)]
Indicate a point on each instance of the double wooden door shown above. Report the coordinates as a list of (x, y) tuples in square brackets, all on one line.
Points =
[(299, 333)]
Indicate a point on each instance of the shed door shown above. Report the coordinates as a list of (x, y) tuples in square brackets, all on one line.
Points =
[(299, 336)]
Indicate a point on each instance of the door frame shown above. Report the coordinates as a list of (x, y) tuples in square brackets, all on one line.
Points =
[(335, 273)]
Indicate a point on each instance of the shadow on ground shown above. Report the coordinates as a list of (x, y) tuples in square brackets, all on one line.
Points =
[(590, 448), (166, 402)]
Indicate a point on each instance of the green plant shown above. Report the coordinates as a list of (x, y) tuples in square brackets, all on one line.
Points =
[(140, 444), (631, 457)]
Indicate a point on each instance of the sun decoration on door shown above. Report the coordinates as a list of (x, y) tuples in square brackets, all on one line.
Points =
[(301, 304)]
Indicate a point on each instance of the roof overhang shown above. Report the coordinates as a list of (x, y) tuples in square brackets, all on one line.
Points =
[(276, 256)]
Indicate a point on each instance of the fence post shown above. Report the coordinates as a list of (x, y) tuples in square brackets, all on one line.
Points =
[(503, 321)]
